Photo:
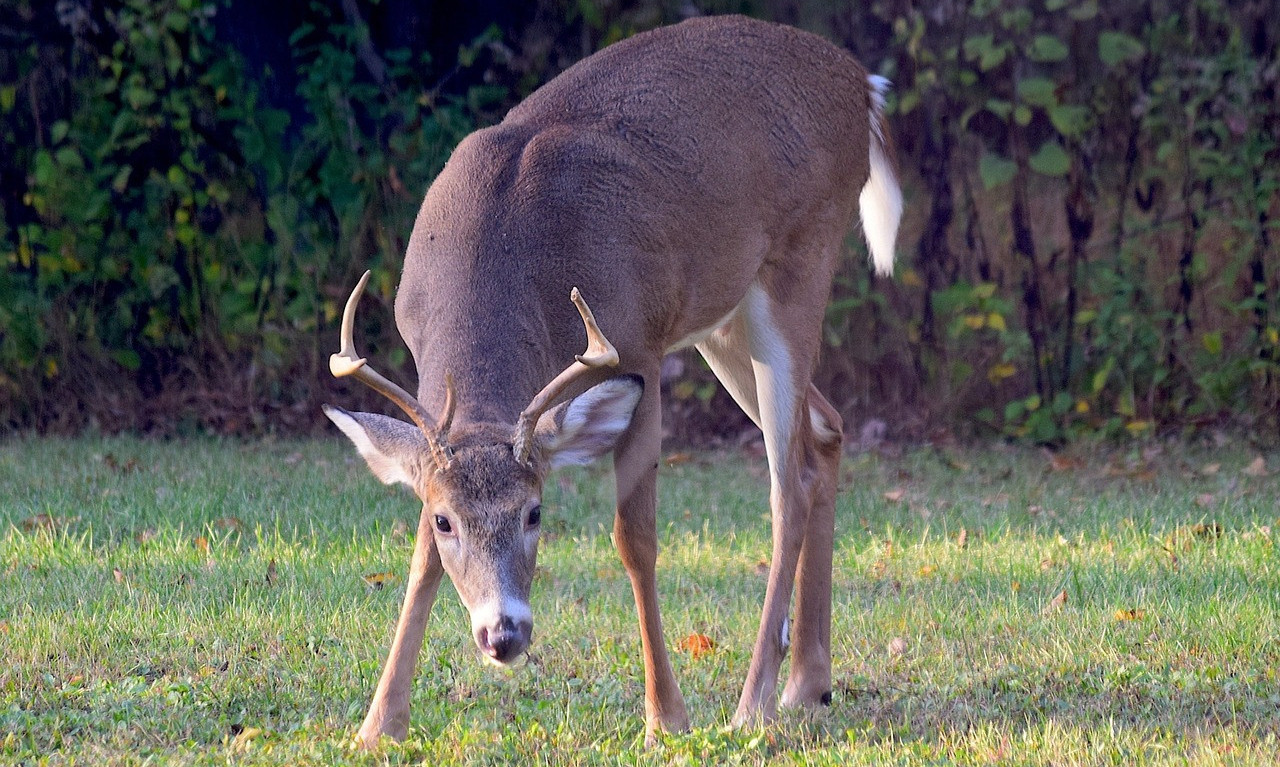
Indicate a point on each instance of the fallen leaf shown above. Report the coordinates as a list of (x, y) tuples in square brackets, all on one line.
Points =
[(1016, 586), (1057, 602), (113, 463), (1185, 536), (1130, 615), (1211, 530), (897, 646), (271, 572), (376, 581), (962, 540), (895, 495), (675, 459), (696, 645), (38, 522), (232, 524), (47, 522), (927, 570), (1058, 462), (1256, 468), (246, 735), (202, 544), (119, 575)]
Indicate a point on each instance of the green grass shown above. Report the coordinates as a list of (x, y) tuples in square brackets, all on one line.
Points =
[(150, 625)]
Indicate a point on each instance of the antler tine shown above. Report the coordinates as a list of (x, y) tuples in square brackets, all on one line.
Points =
[(599, 353), (450, 402), (347, 363)]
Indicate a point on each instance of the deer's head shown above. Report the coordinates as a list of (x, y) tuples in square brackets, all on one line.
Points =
[(481, 484)]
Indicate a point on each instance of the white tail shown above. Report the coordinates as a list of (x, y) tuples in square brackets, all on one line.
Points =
[(881, 200), (696, 183)]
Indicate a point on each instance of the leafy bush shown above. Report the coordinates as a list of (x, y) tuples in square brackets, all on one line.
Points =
[(1115, 173), (1090, 245), (184, 250)]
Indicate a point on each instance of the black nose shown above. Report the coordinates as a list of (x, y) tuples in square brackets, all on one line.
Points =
[(503, 642)]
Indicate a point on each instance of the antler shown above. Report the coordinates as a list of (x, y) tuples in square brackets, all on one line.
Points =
[(599, 353), (347, 363)]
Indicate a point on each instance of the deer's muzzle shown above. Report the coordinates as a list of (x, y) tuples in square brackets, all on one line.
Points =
[(503, 634)]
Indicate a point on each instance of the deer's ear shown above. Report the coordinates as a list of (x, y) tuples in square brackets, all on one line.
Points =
[(588, 426), (392, 448)]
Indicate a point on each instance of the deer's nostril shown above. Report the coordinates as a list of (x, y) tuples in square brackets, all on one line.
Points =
[(504, 642)]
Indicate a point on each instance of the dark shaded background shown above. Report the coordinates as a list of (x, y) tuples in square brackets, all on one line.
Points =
[(189, 188)]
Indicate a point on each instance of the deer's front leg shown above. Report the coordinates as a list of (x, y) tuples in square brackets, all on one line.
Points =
[(389, 709), (636, 535)]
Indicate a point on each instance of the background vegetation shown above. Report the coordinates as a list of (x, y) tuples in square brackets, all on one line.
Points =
[(188, 188)]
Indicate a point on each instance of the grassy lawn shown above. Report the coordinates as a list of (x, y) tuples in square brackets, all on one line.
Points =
[(207, 602)]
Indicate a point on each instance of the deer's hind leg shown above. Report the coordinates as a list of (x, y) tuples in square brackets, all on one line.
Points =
[(809, 681), (767, 369)]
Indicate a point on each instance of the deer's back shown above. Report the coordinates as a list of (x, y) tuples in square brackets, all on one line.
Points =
[(660, 175)]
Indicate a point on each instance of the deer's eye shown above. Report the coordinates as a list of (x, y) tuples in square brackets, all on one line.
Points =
[(442, 525), (535, 516)]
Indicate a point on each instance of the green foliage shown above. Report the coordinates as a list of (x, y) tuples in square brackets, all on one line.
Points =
[(1092, 194), (1128, 316), (180, 226)]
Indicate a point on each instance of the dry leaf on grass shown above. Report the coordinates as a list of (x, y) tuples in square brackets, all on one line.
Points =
[(271, 572), (697, 645), (246, 736), (124, 467), (895, 495), (962, 539), (376, 581), (1058, 462), (1057, 602), (1256, 468), (230, 524), (46, 522), (1135, 614), (897, 646), (675, 459)]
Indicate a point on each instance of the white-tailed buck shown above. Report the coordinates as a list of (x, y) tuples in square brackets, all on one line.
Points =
[(693, 185)]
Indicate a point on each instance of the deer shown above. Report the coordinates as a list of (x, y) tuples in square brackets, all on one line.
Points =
[(690, 186)]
